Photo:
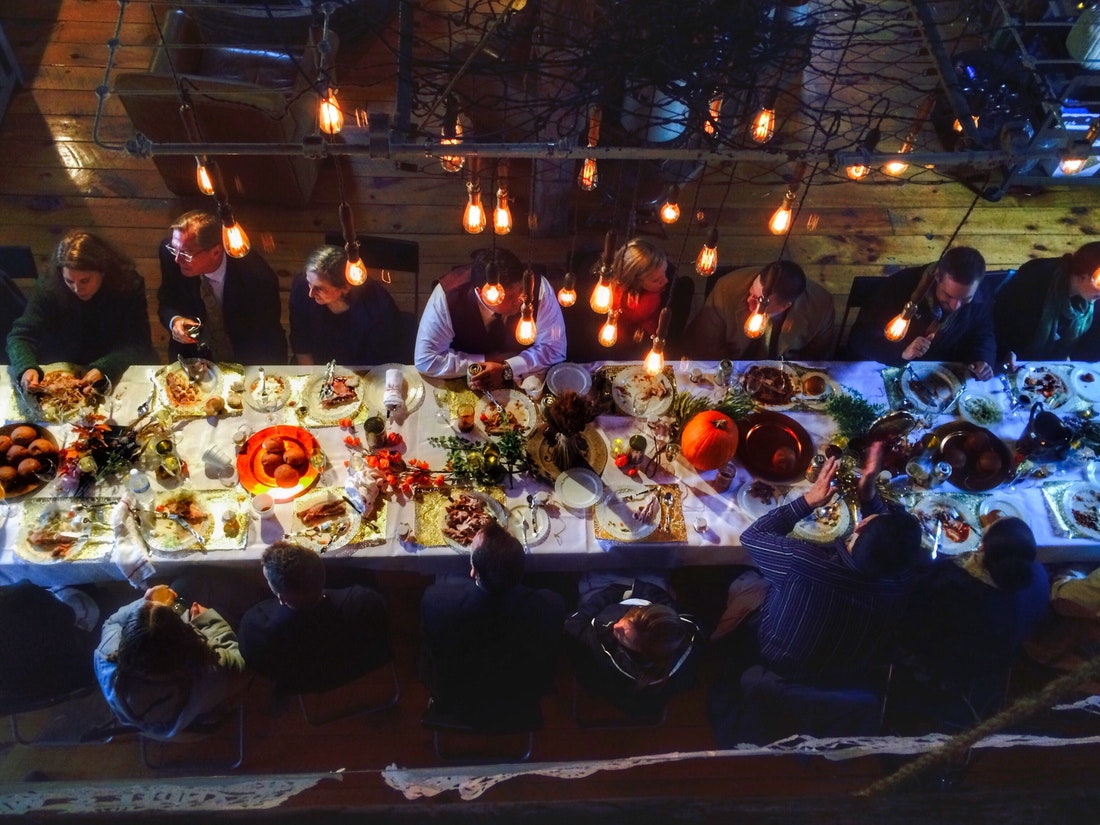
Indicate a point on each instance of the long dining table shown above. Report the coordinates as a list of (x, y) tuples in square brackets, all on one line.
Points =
[(707, 525)]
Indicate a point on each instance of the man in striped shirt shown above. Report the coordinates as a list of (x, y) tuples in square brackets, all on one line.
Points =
[(831, 610)]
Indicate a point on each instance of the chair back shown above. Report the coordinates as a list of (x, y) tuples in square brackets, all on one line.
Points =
[(392, 254), (862, 290)]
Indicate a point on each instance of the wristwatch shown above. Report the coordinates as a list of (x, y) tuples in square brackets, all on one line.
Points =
[(506, 373)]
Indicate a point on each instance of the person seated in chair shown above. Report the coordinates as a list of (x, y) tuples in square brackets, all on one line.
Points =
[(331, 319), (630, 644), (310, 637), (490, 643), (459, 328), (160, 671), (800, 313)]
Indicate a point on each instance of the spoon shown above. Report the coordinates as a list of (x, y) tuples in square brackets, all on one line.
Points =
[(143, 407), (667, 498), (526, 548)]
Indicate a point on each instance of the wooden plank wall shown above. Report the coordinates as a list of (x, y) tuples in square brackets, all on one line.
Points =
[(54, 177)]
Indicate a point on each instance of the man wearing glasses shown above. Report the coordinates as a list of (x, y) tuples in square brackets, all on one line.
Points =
[(224, 308)]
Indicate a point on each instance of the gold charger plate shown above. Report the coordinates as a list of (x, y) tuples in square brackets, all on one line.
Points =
[(430, 512), (670, 520), (539, 448), (224, 525)]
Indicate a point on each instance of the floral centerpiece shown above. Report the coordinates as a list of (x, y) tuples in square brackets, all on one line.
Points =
[(101, 450)]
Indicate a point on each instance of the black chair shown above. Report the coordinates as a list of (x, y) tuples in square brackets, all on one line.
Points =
[(195, 747), (66, 718), (391, 254), (374, 691), (509, 737), (862, 290), (591, 710)]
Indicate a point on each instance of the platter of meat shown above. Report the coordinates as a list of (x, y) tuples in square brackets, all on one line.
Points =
[(52, 531), (1081, 509), (324, 520), (959, 534), (342, 400), (638, 394), (60, 395), (1042, 382), (824, 524), (465, 514), (1086, 383), (770, 385), (758, 497), (629, 513), (519, 413), (929, 387)]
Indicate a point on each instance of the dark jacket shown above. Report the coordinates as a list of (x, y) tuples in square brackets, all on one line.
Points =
[(367, 333), (1019, 308), (251, 307)]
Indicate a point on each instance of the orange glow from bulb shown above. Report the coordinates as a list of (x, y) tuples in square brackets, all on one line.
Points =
[(452, 163), (473, 219), (1071, 166), (525, 329), (567, 296), (710, 126), (707, 261), (330, 115), (235, 240), (763, 125), (609, 332), (896, 167), (355, 272), (756, 324), (502, 215), (202, 178), (896, 329), (1096, 279), (654, 360), (589, 178), (670, 212), (492, 294), (601, 297), (857, 171), (781, 218)]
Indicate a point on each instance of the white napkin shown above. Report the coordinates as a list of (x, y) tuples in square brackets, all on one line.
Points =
[(393, 397), (130, 552)]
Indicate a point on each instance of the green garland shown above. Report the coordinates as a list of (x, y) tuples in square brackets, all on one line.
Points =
[(852, 413), (736, 403), (484, 462)]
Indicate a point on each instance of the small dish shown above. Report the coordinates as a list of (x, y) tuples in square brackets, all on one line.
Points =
[(980, 408), (568, 376), (1086, 383), (535, 532), (578, 488), (997, 507)]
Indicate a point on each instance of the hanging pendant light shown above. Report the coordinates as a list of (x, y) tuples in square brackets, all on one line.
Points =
[(492, 291), (609, 332), (451, 135), (670, 209), (710, 125), (567, 295), (589, 178), (234, 238), (707, 261), (502, 215), (330, 115), (1077, 155), (526, 331), (763, 124), (355, 271), (202, 176), (473, 218), (655, 358)]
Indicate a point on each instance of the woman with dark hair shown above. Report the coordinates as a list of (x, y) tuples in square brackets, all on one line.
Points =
[(91, 312), (160, 671), (1046, 309), (331, 319)]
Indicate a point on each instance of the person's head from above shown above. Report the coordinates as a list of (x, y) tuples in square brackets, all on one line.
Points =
[(958, 275), (507, 269), (885, 545), (1083, 267), (1007, 552), (496, 559), (655, 633), (196, 243), (85, 262), (640, 266), (328, 286), (295, 574), (156, 641), (782, 281)]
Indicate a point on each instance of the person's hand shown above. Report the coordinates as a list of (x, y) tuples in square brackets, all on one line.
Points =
[(822, 490), (490, 378), (92, 377), (872, 466), (196, 610), (981, 370), (161, 594), (916, 348), (29, 380), (178, 333)]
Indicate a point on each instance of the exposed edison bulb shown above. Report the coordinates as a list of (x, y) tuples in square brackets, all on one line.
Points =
[(473, 219), (492, 294), (609, 332), (781, 219), (896, 167), (601, 297), (330, 115), (896, 329), (525, 329), (452, 163), (763, 125), (958, 127), (235, 240), (655, 358), (1071, 166), (756, 324), (707, 261), (715, 110), (355, 272), (502, 215), (589, 177), (1096, 278), (857, 171), (567, 295), (670, 212), (202, 178)]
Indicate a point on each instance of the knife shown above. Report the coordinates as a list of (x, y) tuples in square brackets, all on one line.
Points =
[(182, 522), (917, 383), (330, 376), (937, 537)]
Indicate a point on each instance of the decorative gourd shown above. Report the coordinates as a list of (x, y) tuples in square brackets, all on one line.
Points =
[(708, 440)]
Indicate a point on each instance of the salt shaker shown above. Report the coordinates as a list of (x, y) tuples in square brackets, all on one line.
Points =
[(724, 372)]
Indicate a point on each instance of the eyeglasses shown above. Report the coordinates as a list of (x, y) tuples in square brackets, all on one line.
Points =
[(179, 254)]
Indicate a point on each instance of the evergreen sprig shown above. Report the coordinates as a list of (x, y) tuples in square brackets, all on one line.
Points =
[(852, 413)]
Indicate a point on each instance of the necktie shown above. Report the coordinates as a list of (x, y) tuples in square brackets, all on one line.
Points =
[(496, 331), (213, 325)]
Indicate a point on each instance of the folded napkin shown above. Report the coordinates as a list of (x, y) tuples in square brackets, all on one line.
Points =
[(130, 552), (393, 397)]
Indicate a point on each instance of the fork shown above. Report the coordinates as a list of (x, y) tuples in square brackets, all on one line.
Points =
[(143, 407)]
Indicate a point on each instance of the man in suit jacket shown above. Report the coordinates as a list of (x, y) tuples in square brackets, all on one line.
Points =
[(236, 298), (490, 644)]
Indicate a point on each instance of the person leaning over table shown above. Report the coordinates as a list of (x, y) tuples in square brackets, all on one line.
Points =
[(802, 318), (331, 319), (1047, 309), (236, 298), (954, 321), (90, 311), (160, 671), (458, 328)]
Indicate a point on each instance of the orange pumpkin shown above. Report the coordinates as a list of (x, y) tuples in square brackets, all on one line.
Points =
[(709, 440)]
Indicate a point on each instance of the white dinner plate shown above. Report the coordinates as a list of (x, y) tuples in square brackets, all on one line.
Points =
[(494, 507), (311, 397), (567, 376), (1085, 381), (960, 535), (779, 377), (938, 380), (1081, 509), (578, 488), (630, 513), (999, 503), (265, 394), (1046, 383), (825, 524), (520, 409), (374, 386), (331, 533), (638, 394), (980, 408), (535, 532), (753, 497)]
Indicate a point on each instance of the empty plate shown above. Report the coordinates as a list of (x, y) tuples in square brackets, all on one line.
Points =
[(578, 488)]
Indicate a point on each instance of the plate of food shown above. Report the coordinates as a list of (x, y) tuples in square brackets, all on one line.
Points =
[(28, 458), (1085, 382), (465, 513), (638, 394), (279, 460), (958, 533), (343, 399), (758, 497), (374, 386), (1081, 509), (519, 414), (816, 386), (1043, 382), (324, 520), (61, 394), (774, 446), (183, 523), (928, 386), (630, 513), (997, 506), (265, 391), (771, 385), (53, 531), (980, 408), (979, 459), (538, 524), (568, 376), (824, 524), (189, 383)]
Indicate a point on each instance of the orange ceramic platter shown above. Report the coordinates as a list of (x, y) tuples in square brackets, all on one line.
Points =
[(258, 464)]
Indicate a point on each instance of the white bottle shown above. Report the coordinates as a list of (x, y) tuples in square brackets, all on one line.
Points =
[(141, 489)]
